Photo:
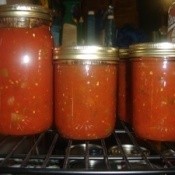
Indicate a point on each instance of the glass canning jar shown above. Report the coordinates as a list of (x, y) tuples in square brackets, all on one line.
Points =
[(25, 69), (153, 90), (85, 91), (123, 85)]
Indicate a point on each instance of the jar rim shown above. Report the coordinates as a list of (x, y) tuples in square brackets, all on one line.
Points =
[(123, 53), (152, 49), (25, 10), (86, 53)]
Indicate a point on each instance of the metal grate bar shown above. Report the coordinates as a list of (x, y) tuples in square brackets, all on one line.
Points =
[(24, 163), (120, 132), (50, 151), (66, 159), (137, 146), (105, 154), (170, 145), (87, 156), (123, 153), (165, 160), (45, 160), (12, 151), (3, 141)]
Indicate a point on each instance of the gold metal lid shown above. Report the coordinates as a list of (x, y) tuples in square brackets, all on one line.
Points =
[(86, 53), (123, 53), (152, 49), (26, 11)]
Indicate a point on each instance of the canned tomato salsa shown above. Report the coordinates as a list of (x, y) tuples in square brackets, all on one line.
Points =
[(153, 90), (25, 69), (85, 91)]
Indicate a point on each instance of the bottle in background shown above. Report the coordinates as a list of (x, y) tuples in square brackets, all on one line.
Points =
[(80, 32), (70, 22), (57, 23), (100, 26), (91, 38), (110, 27), (110, 31), (57, 8), (171, 23), (106, 26)]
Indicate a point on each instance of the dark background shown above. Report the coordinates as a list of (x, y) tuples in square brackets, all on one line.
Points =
[(147, 15)]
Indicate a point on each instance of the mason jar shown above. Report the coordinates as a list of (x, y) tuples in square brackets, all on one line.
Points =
[(25, 69), (153, 90), (124, 85), (85, 83)]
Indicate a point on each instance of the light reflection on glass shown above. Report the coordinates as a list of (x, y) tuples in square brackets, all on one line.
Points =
[(165, 64), (164, 84), (25, 59), (163, 79), (87, 69)]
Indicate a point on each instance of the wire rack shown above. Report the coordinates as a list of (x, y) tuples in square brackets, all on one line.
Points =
[(121, 153)]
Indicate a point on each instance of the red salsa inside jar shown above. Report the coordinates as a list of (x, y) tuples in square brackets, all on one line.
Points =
[(85, 98), (25, 80), (154, 93)]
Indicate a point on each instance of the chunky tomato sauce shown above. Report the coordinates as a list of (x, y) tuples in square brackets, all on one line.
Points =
[(85, 100), (25, 80), (154, 99)]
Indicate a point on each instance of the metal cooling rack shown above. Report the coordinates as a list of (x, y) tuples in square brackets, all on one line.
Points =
[(121, 153)]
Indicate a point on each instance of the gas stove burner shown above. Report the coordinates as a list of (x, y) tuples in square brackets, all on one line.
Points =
[(129, 150), (80, 149)]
